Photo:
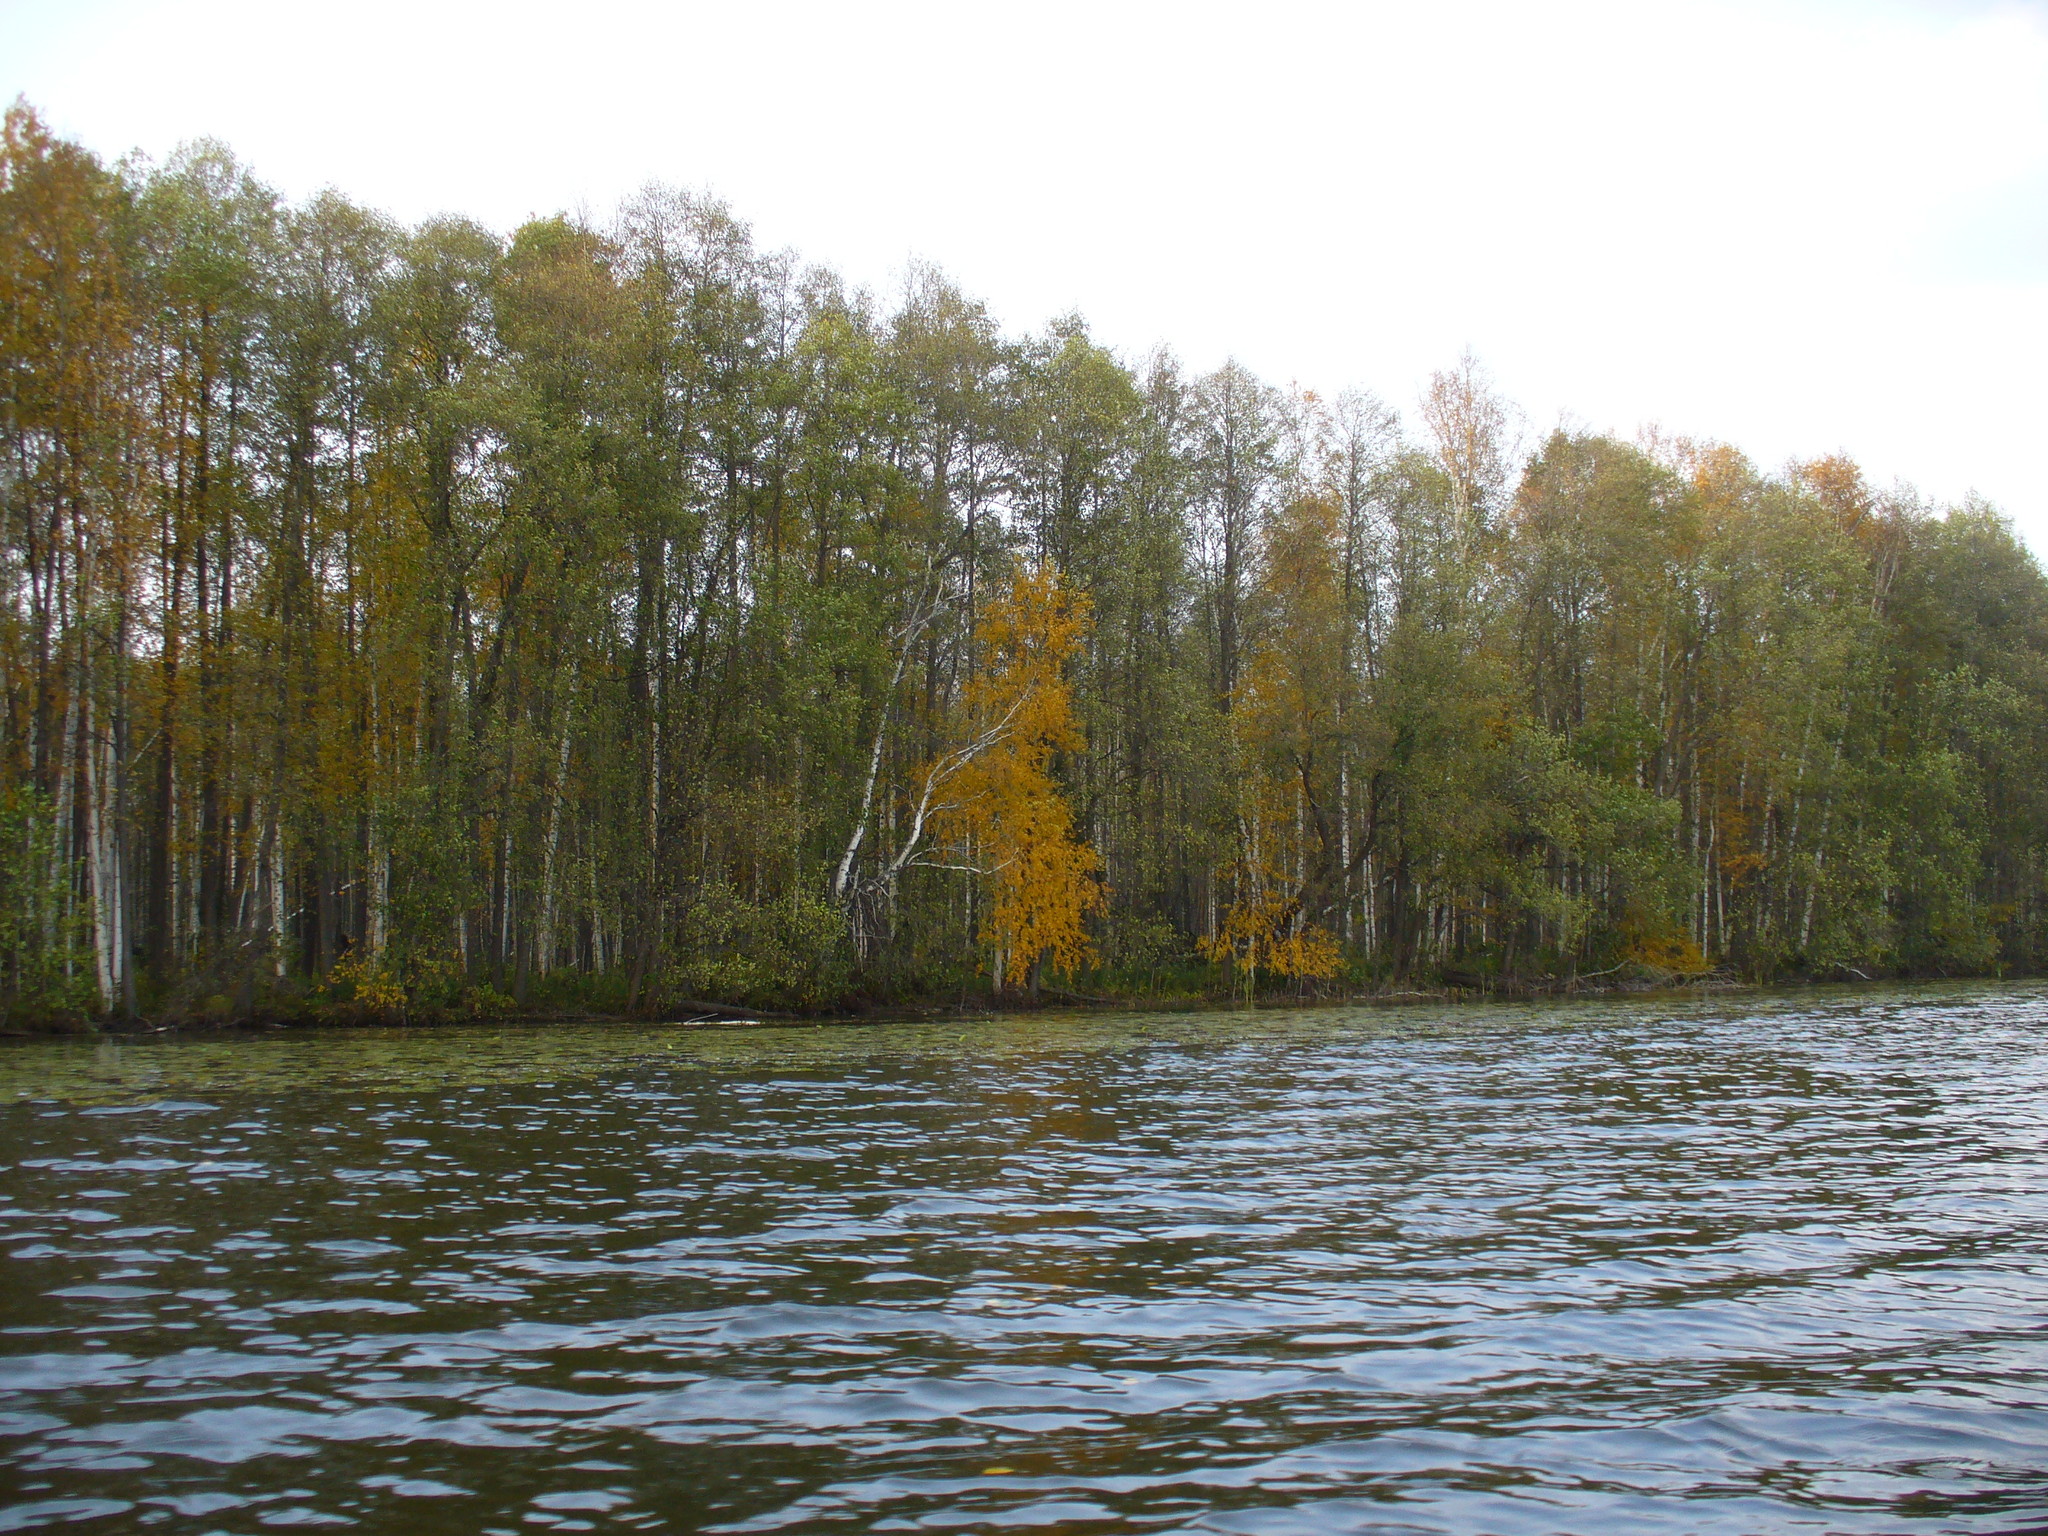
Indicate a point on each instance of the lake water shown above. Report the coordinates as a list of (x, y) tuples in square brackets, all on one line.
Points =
[(1775, 1263)]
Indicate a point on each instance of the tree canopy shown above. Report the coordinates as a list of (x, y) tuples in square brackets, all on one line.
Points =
[(407, 621)]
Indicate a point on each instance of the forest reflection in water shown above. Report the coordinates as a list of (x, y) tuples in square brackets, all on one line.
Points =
[(1766, 1263)]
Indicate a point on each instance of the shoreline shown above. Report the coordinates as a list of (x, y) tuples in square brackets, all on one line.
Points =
[(727, 1017)]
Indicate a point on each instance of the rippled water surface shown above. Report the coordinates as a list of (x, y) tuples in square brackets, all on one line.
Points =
[(1771, 1264)]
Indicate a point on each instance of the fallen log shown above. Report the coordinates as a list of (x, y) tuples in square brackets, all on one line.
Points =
[(1072, 997), (710, 1011)]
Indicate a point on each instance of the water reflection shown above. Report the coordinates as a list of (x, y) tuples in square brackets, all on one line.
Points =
[(1772, 1265)]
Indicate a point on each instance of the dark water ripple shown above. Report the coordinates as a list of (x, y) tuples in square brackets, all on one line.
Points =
[(1775, 1265)]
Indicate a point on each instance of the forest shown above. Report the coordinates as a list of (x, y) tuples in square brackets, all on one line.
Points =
[(615, 617)]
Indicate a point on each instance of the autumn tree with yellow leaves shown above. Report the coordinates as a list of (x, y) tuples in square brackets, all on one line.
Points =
[(1005, 809), (1285, 738)]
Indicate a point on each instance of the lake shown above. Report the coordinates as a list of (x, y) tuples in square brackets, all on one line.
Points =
[(1772, 1262)]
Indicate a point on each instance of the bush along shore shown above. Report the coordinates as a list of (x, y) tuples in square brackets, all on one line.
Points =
[(613, 618), (1192, 988)]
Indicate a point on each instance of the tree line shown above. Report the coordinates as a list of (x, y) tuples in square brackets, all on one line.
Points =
[(421, 621)]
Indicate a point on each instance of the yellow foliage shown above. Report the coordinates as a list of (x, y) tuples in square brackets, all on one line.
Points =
[(1310, 954), (1665, 952), (1041, 881), (1278, 721), (372, 988), (1254, 933)]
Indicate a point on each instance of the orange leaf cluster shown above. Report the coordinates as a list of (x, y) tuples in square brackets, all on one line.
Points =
[(1042, 882)]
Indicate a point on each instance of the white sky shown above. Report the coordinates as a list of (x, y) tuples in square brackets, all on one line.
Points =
[(1798, 226)]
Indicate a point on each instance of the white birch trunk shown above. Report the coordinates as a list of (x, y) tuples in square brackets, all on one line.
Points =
[(274, 877), (544, 940), (105, 907)]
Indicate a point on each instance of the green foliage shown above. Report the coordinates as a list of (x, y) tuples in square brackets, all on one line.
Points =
[(788, 953), (422, 623), (45, 961)]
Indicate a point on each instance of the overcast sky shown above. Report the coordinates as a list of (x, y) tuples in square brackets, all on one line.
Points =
[(1798, 226)]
